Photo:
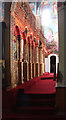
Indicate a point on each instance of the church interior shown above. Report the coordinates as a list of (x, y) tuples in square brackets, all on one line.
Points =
[(32, 63)]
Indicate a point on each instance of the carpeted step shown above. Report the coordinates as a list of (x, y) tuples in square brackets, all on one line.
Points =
[(35, 103), (37, 99), (27, 101), (15, 116), (46, 78), (41, 110), (30, 104), (36, 96)]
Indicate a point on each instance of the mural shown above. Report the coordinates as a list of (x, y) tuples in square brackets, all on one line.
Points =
[(16, 43), (1, 12), (50, 22), (15, 46), (32, 6), (48, 12)]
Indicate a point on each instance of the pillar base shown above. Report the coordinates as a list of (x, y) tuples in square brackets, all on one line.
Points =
[(36, 69), (19, 72), (25, 71), (33, 70), (41, 68), (30, 70)]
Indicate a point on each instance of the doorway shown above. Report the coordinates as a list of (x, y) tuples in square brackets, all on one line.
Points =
[(52, 64)]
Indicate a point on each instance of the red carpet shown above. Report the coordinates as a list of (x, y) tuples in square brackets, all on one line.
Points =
[(38, 86), (48, 76), (32, 100), (42, 87)]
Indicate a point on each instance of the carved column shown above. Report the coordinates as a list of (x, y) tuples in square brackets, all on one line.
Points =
[(40, 61), (43, 63), (25, 61), (19, 62), (36, 61), (33, 62), (30, 59), (21, 54)]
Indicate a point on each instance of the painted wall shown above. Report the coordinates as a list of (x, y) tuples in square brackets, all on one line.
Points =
[(49, 20)]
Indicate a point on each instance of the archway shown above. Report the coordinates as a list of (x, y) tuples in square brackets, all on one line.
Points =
[(16, 53), (52, 64), (53, 56), (48, 61), (16, 43)]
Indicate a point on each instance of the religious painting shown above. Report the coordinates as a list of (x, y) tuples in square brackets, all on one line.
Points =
[(15, 46)]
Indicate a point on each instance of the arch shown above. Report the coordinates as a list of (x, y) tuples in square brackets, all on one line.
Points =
[(57, 60), (16, 43), (17, 30), (52, 64)]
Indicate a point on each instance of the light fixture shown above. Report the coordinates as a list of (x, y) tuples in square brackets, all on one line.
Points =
[(26, 27), (26, 30)]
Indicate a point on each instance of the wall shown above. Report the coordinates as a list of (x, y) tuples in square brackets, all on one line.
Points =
[(7, 42), (46, 65), (61, 84)]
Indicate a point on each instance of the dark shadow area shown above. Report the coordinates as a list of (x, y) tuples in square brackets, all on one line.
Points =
[(52, 64), (59, 77)]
